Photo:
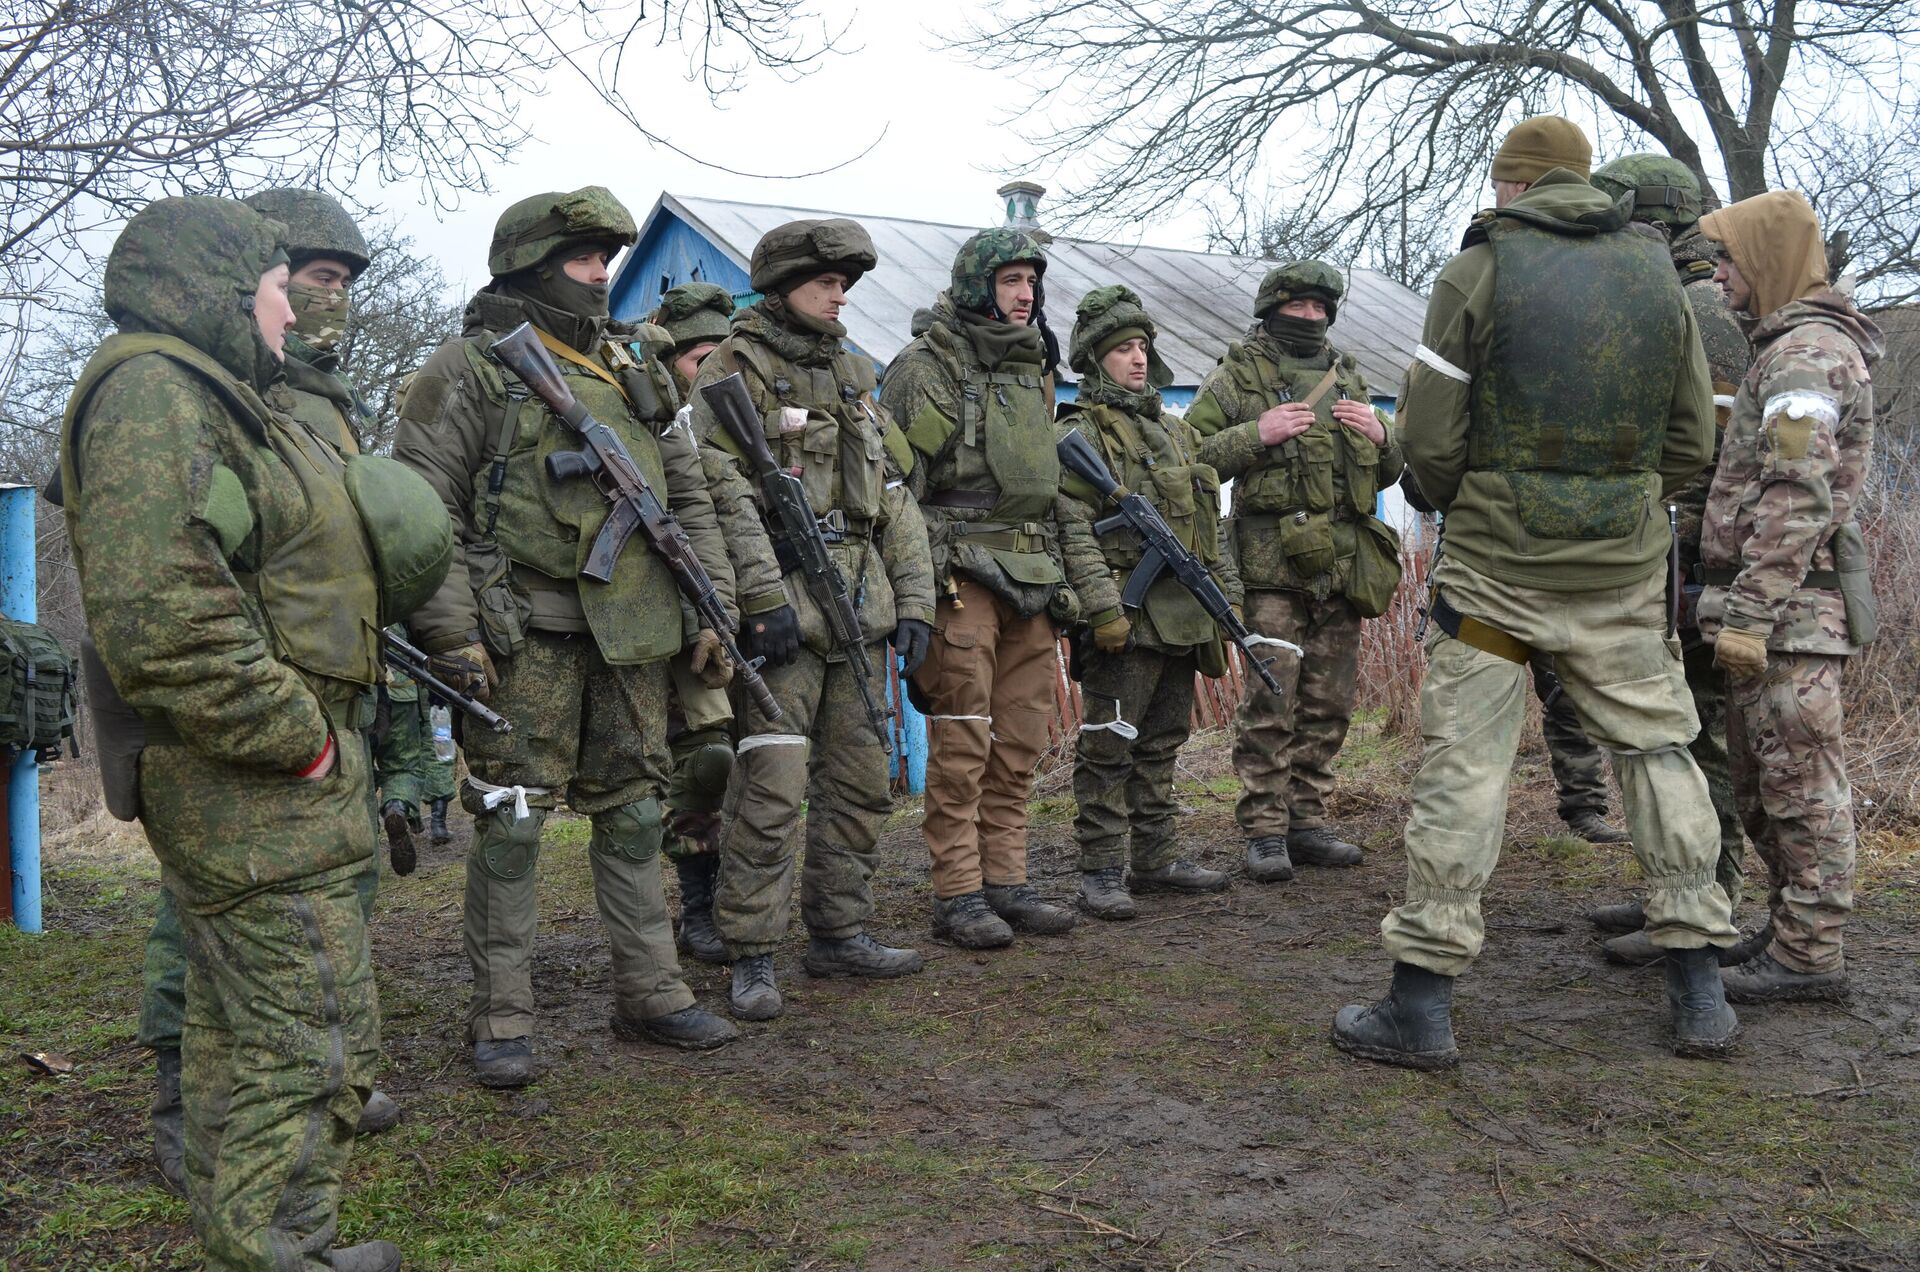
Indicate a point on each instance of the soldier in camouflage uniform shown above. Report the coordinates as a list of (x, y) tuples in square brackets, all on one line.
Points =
[(816, 399), (407, 775), (1136, 684), (1290, 415), (1556, 541), (1788, 594), (975, 397), (1579, 770), (232, 595), (581, 666), (1666, 196)]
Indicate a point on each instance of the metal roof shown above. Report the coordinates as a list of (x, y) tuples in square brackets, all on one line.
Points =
[(1201, 300)]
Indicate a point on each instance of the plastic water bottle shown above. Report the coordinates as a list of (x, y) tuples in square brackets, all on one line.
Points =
[(442, 721)]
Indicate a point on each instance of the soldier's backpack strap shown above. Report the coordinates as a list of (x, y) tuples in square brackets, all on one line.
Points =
[(512, 395)]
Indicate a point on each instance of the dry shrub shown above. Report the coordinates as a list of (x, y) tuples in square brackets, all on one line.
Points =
[(1883, 691)]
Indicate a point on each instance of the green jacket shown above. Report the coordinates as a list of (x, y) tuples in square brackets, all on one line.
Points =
[(1437, 426)]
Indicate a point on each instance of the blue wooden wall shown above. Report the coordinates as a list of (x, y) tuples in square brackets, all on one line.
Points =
[(672, 253)]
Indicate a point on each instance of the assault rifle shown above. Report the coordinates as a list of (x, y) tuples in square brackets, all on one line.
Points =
[(603, 457), (1164, 552), (795, 527), (416, 666)]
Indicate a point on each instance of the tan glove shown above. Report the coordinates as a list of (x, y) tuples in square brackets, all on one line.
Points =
[(1741, 654), (709, 660), (467, 669), (1115, 636)]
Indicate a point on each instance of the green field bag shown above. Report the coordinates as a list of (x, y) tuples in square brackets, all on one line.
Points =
[(37, 678)]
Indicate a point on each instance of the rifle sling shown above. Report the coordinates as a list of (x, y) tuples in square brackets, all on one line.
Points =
[(566, 352)]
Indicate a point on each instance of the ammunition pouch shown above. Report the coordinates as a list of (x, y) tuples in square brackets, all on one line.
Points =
[(1375, 575)]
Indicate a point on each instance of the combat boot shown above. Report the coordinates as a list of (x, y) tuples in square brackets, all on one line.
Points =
[(690, 1029), (1267, 859), (1104, 895), (1632, 949), (1025, 911), (1747, 947), (859, 955), (169, 1121), (503, 1062), (698, 936), (1318, 846), (1703, 1024), (1592, 827), (969, 922), (437, 824), (394, 819), (1180, 876), (368, 1256), (754, 996), (1765, 979), (1411, 1027), (1626, 916), (380, 1113)]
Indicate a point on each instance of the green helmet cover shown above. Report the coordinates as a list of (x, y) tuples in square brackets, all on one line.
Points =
[(317, 226), (1104, 311), (1664, 189), (535, 228), (790, 254), (695, 313), (1298, 280), (408, 528), (985, 252)]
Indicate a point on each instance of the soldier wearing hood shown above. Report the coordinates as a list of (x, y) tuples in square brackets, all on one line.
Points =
[(580, 667), (1137, 674), (975, 398), (1291, 417), (1666, 196), (234, 599), (1789, 594), (1558, 398)]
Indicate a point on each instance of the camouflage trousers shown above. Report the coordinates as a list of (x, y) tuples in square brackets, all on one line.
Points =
[(1709, 750), (1785, 733), (595, 734), (821, 753), (699, 720), (1122, 783), (1625, 680), (282, 1039), (1284, 744), (1579, 770), (404, 767)]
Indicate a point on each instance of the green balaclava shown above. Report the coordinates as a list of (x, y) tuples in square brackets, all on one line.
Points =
[(188, 267), (317, 228), (532, 242), (1299, 280), (1108, 317)]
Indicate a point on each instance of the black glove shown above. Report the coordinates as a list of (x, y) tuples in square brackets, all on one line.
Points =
[(774, 636), (911, 640)]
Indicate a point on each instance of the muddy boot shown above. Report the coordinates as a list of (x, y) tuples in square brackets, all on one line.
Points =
[(754, 996), (1024, 911), (969, 922), (437, 831), (1180, 876), (1104, 895), (503, 1062), (690, 1029), (1318, 846), (1764, 979), (1411, 1027), (698, 936), (1633, 949), (169, 1121), (1592, 827), (368, 1256), (1267, 860), (1626, 916), (1703, 1024), (394, 820), (379, 1114), (1747, 947), (859, 955)]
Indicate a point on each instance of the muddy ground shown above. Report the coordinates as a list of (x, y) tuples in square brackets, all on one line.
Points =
[(1158, 1094)]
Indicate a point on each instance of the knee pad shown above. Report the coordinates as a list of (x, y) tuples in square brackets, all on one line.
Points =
[(632, 831), (504, 848), (700, 775)]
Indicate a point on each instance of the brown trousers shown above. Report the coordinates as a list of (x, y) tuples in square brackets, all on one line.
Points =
[(988, 681)]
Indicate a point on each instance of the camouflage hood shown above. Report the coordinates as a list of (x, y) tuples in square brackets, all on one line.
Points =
[(1104, 314), (188, 268), (1774, 239)]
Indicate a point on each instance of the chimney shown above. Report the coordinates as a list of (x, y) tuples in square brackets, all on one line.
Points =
[(1023, 206)]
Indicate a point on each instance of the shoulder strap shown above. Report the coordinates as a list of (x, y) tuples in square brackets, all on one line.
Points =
[(503, 440), (566, 352), (1319, 390)]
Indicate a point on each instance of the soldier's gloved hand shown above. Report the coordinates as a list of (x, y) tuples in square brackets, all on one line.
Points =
[(774, 635), (911, 640), (709, 660), (467, 669), (1742, 655), (1115, 636)]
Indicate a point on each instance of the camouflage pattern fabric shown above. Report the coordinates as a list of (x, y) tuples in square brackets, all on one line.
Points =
[(1665, 191), (821, 755), (1579, 772), (536, 227), (1786, 732), (694, 313), (788, 255), (1122, 785), (1709, 750), (402, 761), (1728, 357), (1299, 280), (1284, 744), (983, 253), (316, 225)]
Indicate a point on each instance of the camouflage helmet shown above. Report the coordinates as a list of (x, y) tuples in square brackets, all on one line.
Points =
[(317, 226), (1664, 189), (695, 313), (533, 229), (1298, 280), (801, 250), (985, 252), (1104, 314)]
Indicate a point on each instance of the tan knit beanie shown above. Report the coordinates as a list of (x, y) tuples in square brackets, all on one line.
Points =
[(1539, 144)]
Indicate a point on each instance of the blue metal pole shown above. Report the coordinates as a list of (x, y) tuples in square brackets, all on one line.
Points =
[(19, 600), (910, 750)]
